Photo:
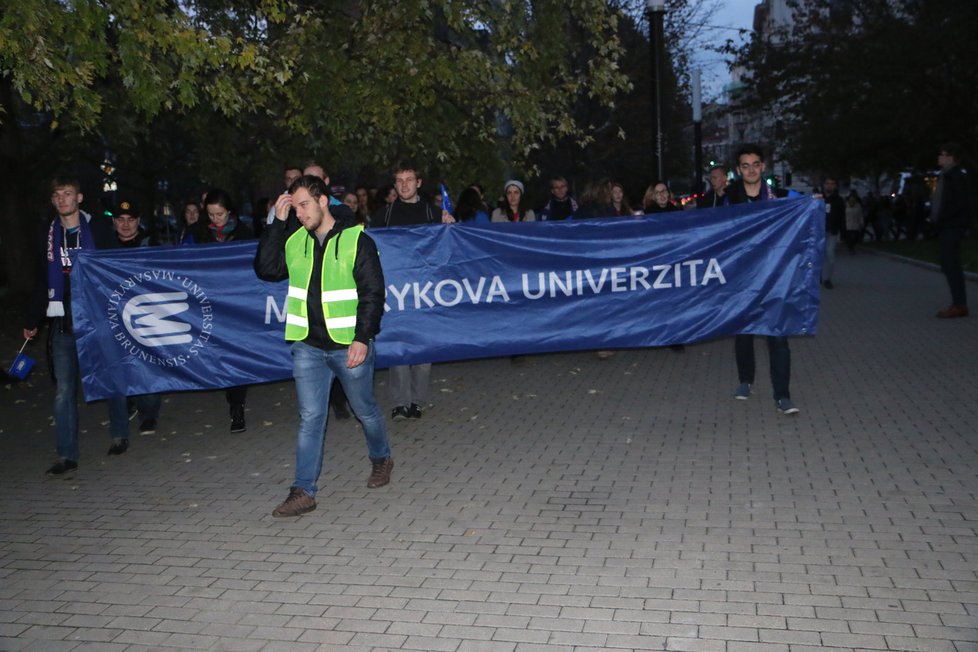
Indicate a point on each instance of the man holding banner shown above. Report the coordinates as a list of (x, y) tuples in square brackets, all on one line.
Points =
[(72, 229), (334, 306), (749, 189), (409, 383)]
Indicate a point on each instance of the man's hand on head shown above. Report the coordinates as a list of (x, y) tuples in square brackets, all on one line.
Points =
[(282, 206)]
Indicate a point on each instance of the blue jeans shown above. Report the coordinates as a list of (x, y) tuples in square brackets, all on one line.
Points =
[(314, 370), (780, 358), (828, 262), (64, 357)]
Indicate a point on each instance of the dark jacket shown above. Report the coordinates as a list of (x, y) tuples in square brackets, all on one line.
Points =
[(400, 213), (954, 198), (141, 240), (737, 193), (559, 209), (270, 265), (104, 236), (835, 214), (655, 208), (203, 233), (587, 211), (711, 200)]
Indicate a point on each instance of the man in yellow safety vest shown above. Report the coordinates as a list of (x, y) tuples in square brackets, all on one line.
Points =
[(333, 310)]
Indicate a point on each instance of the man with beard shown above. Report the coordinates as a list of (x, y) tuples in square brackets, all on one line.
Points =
[(334, 306)]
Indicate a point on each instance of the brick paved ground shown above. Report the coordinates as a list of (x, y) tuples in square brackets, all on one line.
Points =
[(565, 503)]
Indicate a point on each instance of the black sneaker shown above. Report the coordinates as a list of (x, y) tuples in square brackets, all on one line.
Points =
[(828, 284), (147, 427), (237, 418), (400, 413), (414, 412), (61, 467), (118, 447)]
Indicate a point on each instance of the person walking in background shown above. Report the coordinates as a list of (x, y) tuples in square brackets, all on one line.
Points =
[(128, 227), (71, 229), (469, 207), (516, 209), (223, 226), (835, 223), (596, 200), (718, 188), (385, 195), (352, 201), (127, 223), (409, 384), (335, 304), (365, 195), (560, 206), (951, 210), (190, 216), (482, 205), (883, 219), (408, 208), (855, 220), (619, 200), (658, 199)]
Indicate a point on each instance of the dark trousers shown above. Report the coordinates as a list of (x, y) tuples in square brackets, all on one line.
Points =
[(337, 397), (950, 244), (236, 395), (780, 355)]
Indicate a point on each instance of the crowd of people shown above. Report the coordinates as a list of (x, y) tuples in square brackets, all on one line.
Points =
[(371, 207), (335, 299)]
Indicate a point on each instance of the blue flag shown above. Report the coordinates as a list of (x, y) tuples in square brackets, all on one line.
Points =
[(446, 201), (196, 317)]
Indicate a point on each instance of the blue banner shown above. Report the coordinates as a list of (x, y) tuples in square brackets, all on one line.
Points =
[(196, 317)]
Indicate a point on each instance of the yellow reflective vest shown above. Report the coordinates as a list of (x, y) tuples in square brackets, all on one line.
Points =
[(339, 289)]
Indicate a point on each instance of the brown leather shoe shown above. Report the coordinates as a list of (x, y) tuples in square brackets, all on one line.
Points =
[(298, 502), (953, 311), (381, 473)]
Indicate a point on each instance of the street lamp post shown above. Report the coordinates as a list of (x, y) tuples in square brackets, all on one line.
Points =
[(697, 134), (656, 12)]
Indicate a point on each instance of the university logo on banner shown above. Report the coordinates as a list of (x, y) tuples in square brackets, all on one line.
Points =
[(164, 328), (160, 319)]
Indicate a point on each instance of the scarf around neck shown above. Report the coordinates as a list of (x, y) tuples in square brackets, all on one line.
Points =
[(59, 262)]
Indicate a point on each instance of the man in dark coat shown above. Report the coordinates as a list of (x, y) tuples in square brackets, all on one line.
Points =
[(951, 211)]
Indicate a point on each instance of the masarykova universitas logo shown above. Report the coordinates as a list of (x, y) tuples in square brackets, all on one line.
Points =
[(167, 325)]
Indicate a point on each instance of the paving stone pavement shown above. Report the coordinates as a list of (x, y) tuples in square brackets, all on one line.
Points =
[(556, 503)]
